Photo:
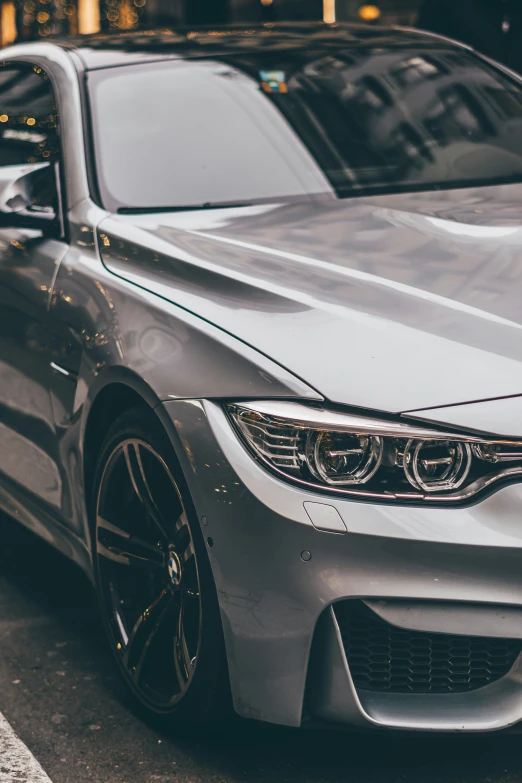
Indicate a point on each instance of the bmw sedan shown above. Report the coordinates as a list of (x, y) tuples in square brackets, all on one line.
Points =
[(261, 364)]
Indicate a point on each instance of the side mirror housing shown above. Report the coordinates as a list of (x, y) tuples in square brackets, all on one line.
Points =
[(24, 192)]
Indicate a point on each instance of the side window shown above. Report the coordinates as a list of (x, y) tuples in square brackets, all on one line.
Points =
[(29, 131), (28, 116)]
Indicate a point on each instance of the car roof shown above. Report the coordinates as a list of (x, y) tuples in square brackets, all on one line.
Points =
[(102, 50)]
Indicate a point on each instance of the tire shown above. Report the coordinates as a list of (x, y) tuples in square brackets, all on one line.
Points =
[(153, 578)]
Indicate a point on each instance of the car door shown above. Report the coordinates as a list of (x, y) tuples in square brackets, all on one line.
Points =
[(29, 259)]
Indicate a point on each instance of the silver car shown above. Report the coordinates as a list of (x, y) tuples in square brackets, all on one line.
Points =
[(261, 364)]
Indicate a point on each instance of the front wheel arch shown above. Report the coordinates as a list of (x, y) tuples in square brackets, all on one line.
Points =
[(120, 392)]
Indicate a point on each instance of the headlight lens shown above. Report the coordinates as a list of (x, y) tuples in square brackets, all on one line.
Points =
[(343, 458), (437, 465), (372, 458)]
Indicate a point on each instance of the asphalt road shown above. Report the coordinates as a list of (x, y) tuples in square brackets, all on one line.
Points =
[(59, 691)]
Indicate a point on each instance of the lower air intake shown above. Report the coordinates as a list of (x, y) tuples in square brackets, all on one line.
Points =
[(384, 658)]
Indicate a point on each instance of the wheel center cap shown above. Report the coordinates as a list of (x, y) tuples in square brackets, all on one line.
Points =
[(174, 567)]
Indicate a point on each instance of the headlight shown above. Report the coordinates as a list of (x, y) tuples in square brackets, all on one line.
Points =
[(372, 459)]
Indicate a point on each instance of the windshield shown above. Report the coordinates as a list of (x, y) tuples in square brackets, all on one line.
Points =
[(280, 126)]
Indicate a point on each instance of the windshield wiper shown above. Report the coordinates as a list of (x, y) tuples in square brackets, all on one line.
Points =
[(194, 208)]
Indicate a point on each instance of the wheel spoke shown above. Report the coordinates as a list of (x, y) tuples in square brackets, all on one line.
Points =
[(188, 551), (145, 629), (142, 488), (121, 547), (122, 557), (184, 544), (182, 658)]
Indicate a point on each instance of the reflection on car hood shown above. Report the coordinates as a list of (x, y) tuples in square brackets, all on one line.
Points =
[(393, 302)]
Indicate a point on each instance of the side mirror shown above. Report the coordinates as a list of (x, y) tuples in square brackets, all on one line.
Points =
[(29, 197)]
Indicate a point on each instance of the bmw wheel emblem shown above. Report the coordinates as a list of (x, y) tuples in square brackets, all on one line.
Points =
[(174, 567)]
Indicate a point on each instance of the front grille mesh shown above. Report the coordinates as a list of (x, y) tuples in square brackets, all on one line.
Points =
[(384, 658)]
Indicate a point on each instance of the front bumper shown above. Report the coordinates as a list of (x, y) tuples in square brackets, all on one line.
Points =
[(445, 563)]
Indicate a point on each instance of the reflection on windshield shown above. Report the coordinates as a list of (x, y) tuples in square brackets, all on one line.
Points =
[(275, 126)]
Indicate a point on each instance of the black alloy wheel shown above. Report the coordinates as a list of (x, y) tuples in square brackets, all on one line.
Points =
[(153, 575)]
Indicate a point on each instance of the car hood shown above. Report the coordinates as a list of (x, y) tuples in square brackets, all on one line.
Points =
[(391, 303)]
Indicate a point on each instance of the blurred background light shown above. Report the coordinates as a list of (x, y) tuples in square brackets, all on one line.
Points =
[(88, 16), (369, 13), (329, 11), (8, 18)]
